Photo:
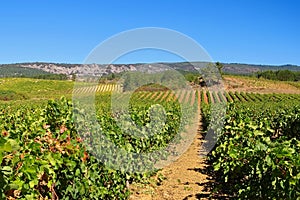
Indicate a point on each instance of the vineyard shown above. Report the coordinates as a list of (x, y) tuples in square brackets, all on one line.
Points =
[(44, 156), (257, 153), (98, 89)]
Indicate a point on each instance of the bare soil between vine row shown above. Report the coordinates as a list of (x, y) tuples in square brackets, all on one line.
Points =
[(183, 179)]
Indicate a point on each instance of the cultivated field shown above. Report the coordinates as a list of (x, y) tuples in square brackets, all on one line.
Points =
[(44, 155)]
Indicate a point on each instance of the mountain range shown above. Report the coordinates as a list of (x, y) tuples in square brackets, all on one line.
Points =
[(36, 68)]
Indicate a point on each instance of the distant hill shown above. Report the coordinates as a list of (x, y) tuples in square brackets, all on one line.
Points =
[(15, 70), (18, 70), (237, 68), (41, 68)]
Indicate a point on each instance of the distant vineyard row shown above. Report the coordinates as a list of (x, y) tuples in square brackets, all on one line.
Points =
[(186, 96), (98, 88)]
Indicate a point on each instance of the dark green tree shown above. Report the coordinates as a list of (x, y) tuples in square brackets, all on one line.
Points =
[(219, 66)]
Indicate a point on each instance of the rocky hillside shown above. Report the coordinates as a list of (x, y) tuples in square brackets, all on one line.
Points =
[(97, 70), (69, 69), (26, 69)]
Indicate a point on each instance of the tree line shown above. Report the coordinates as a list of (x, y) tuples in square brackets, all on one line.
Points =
[(280, 75)]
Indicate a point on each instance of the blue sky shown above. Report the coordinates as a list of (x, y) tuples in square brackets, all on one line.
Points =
[(244, 31)]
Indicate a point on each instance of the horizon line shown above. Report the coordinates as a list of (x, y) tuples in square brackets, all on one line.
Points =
[(136, 63)]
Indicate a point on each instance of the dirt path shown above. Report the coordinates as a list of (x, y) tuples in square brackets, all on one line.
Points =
[(181, 180)]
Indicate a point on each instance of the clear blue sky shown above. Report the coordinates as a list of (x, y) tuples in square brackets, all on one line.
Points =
[(245, 31)]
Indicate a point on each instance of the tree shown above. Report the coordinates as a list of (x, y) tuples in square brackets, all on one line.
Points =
[(73, 77), (219, 66), (285, 75)]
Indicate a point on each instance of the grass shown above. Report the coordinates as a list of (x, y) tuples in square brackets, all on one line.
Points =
[(36, 88), (35, 91), (242, 81), (295, 84), (8, 95)]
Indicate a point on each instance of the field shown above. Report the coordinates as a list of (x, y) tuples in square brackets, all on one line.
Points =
[(251, 84), (44, 155)]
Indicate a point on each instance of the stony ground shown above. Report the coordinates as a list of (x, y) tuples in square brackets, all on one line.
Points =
[(183, 179)]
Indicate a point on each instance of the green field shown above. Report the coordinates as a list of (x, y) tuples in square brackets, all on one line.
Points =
[(43, 153)]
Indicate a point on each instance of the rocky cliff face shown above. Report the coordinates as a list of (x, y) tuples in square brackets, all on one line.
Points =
[(99, 70), (91, 69)]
